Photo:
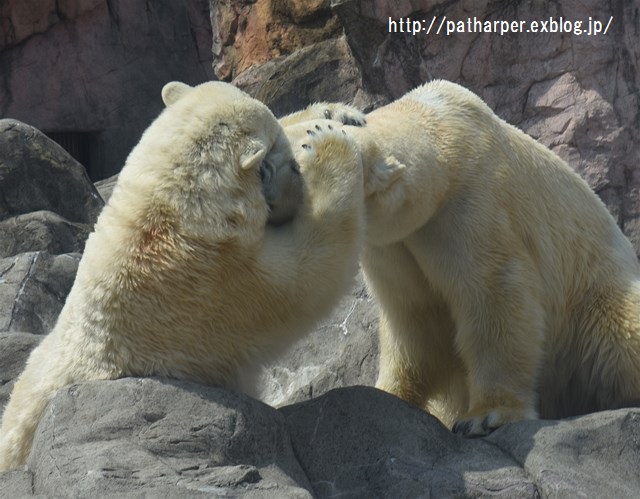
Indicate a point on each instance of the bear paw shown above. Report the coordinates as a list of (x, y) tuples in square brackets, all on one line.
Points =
[(480, 423), (321, 134), (346, 115), (327, 155)]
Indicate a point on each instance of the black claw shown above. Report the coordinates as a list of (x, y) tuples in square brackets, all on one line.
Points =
[(327, 114), (461, 428), (311, 132), (330, 127), (306, 146), (319, 129), (485, 424)]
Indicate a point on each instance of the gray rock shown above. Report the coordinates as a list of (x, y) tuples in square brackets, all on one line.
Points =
[(341, 351), (37, 174), (42, 231), (14, 351), (33, 289), (597, 455), (161, 438), (360, 442), (16, 484), (105, 187)]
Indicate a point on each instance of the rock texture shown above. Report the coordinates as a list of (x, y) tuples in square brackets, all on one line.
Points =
[(248, 33), (342, 351), (105, 187), (159, 438), (47, 208), (33, 290), (105, 63), (360, 442), (165, 439), (37, 174)]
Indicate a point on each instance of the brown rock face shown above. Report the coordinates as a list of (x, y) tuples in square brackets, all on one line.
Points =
[(248, 33), (89, 72)]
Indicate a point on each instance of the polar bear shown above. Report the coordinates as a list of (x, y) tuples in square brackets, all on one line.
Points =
[(182, 276), (506, 289)]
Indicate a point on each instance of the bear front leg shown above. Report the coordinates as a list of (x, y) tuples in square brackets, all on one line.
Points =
[(412, 367), (313, 260), (417, 359), (501, 345), (332, 170), (398, 373)]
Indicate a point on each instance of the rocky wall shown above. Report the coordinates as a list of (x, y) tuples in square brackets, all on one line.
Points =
[(92, 70)]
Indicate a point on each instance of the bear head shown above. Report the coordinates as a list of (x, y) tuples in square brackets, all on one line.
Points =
[(225, 124)]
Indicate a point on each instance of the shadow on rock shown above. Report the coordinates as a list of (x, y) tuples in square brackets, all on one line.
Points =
[(361, 442)]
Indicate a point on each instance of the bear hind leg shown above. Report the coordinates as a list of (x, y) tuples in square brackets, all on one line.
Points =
[(418, 360), (613, 372)]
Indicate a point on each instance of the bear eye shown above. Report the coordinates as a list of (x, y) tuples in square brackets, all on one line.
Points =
[(266, 171)]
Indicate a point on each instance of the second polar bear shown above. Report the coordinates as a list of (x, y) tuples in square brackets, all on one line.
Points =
[(183, 276), (506, 288)]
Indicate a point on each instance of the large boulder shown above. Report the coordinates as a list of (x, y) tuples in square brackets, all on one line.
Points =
[(360, 442), (37, 174), (163, 439), (48, 206), (153, 437)]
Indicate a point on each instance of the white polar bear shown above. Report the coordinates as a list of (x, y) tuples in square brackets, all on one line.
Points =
[(182, 276), (506, 289)]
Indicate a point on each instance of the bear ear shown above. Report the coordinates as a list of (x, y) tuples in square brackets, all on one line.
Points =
[(174, 91), (383, 174), (253, 156)]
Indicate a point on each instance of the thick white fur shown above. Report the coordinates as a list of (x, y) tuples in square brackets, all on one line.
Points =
[(506, 288), (182, 276)]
